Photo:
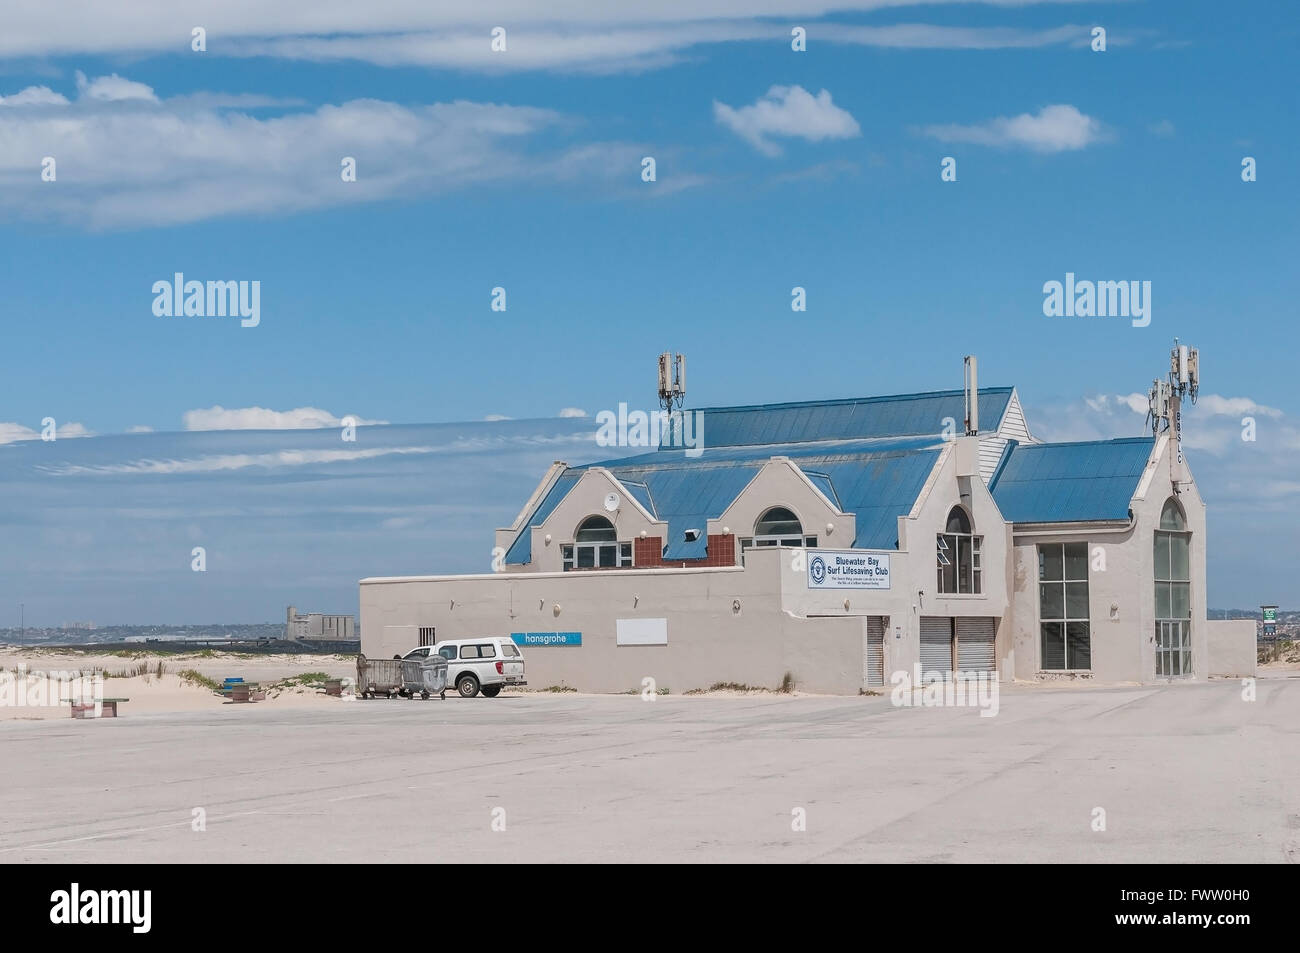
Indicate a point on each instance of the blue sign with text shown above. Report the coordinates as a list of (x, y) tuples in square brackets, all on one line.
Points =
[(546, 638)]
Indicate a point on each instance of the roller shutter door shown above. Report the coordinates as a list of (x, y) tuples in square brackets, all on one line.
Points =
[(936, 648), (975, 645), (875, 654)]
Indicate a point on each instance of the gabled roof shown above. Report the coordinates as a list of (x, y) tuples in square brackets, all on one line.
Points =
[(1069, 482), (878, 480), (852, 419)]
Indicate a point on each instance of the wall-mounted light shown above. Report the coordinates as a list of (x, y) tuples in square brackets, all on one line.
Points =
[(555, 609), (547, 539), (635, 601), (735, 606), (846, 605), (830, 528), (726, 531)]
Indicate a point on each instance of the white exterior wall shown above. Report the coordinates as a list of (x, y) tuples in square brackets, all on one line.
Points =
[(1233, 652), (1121, 599)]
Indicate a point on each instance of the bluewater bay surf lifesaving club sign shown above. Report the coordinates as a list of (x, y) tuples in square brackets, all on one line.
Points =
[(847, 569)]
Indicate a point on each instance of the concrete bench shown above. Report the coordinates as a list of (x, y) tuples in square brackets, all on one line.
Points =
[(84, 709)]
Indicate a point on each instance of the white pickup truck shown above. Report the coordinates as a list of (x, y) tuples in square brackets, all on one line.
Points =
[(478, 665)]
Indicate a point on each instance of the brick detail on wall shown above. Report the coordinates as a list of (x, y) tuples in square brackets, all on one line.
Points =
[(647, 553)]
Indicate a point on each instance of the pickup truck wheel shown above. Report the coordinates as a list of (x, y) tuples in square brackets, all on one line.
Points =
[(467, 685), (491, 691)]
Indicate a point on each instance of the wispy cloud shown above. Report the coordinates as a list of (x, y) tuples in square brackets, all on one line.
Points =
[(260, 418), (1058, 128), (12, 433), (927, 36), (218, 463), (144, 161), (584, 35), (571, 412), (789, 112)]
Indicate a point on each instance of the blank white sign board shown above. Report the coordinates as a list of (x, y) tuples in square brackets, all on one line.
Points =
[(642, 631)]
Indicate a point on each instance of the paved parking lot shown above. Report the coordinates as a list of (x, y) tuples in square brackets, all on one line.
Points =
[(1184, 773)]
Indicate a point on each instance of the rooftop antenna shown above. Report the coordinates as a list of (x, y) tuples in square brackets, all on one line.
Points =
[(672, 380), (1165, 397), (972, 396), (1166, 405)]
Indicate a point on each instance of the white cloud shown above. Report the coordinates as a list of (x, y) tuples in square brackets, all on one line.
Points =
[(12, 433), (34, 96), (926, 36), (112, 89), (788, 112), (259, 418), (218, 463), (577, 34), (1162, 128), (139, 428), (1058, 128), (571, 412), (493, 418), (1234, 407), (141, 162)]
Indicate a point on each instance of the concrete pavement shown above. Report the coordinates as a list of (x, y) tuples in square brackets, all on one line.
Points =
[(1184, 773)]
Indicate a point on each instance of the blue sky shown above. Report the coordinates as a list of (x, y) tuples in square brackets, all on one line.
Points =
[(521, 169)]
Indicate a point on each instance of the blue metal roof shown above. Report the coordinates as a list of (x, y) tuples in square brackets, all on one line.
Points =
[(854, 418), (1069, 482), (641, 493), (877, 479), (521, 551)]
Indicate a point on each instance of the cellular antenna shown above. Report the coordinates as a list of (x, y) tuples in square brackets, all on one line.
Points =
[(672, 380)]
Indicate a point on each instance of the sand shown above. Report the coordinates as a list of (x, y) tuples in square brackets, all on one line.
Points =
[(151, 693)]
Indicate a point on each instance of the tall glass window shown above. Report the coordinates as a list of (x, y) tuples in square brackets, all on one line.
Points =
[(957, 550), (1063, 619), (1173, 572)]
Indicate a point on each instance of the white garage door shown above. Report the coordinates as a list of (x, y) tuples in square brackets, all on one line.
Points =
[(975, 645), (874, 675), (936, 647)]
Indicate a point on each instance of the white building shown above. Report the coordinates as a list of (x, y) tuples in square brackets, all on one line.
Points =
[(316, 625), (842, 541)]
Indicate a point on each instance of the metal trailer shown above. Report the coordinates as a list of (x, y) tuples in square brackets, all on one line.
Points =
[(425, 677), (401, 677), (378, 676)]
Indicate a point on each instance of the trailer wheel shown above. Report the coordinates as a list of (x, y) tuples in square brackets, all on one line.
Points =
[(424, 696), (442, 696)]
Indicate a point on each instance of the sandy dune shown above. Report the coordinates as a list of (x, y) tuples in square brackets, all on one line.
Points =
[(28, 699)]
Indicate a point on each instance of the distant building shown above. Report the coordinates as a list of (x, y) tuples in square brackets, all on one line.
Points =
[(316, 625)]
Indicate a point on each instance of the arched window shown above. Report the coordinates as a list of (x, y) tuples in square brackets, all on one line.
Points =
[(778, 526), (1171, 517), (596, 529), (778, 521), (1173, 572), (596, 546), (958, 554)]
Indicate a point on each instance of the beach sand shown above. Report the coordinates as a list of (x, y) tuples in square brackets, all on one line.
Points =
[(169, 692)]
